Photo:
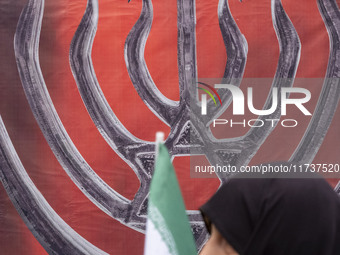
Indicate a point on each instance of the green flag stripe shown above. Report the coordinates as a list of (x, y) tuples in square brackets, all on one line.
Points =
[(163, 229), (166, 196)]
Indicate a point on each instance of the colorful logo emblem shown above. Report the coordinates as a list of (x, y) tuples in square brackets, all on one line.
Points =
[(204, 96)]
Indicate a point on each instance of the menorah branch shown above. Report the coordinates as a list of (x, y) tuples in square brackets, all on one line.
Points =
[(249, 144), (113, 131), (330, 94), (237, 50), (45, 224), (161, 106), (26, 47)]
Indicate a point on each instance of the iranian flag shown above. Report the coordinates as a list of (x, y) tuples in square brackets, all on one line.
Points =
[(167, 230)]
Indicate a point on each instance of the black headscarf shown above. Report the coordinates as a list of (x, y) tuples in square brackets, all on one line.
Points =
[(271, 216)]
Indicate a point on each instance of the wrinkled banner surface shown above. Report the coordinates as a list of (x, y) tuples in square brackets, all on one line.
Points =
[(86, 84)]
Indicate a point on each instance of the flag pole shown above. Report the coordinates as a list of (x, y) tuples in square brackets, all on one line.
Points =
[(159, 140), (167, 227)]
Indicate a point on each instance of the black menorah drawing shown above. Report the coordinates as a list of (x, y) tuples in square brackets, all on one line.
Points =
[(190, 133)]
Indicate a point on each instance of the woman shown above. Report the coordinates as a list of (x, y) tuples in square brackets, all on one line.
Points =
[(273, 216)]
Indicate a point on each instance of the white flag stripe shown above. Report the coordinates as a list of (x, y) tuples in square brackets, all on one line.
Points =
[(163, 230), (168, 230), (154, 243)]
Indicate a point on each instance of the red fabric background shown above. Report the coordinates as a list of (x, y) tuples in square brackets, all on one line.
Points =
[(116, 18)]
